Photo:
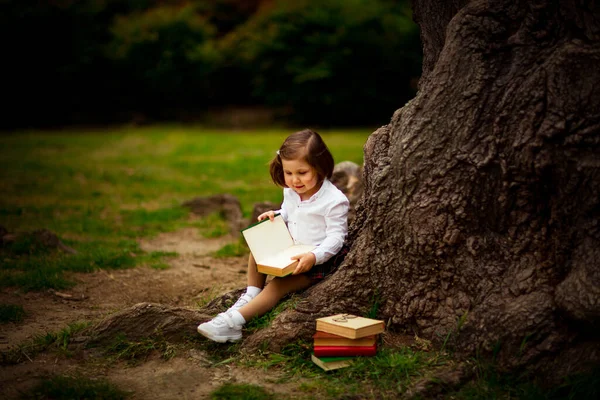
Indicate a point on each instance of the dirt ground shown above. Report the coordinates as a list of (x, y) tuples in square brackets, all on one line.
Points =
[(193, 278)]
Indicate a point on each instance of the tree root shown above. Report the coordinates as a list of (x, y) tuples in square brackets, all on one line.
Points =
[(175, 324)]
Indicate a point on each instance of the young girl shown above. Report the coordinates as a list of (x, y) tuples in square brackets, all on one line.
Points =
[(315, 212)]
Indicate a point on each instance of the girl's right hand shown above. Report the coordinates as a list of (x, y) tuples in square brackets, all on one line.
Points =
[(268, 214)]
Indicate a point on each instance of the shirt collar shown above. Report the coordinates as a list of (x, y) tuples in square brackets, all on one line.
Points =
[(320, 192)]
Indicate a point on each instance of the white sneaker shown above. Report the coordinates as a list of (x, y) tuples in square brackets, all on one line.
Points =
[(221, 329), (241, 302)]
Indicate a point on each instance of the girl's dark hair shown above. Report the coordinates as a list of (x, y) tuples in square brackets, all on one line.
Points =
[(306, 144)]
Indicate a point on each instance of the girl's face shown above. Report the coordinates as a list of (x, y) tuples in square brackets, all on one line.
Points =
[(301, 177)]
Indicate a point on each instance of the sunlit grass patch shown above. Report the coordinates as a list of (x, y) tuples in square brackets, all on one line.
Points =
[(38, 270), (141, 222), (31, 268), (44, 276), (156, 259), (11, 313), (213, 225), (65, 387), (102, 191), (160, 266), (235, 249), (104, 170)]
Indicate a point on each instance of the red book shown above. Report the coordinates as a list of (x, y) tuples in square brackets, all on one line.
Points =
[(343, 351), (329, 339)]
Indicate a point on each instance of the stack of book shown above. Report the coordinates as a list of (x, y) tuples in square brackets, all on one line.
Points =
[(341, 338)]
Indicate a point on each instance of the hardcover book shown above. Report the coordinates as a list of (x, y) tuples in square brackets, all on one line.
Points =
[(329, 339), (345, 351), (273, 247), (350, 326), (330, 363)]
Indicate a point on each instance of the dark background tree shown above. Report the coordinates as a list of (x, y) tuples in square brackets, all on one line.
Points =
[(480, 215), (339, 63), (335, 62)]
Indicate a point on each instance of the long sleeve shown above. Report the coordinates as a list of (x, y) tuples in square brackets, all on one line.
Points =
[(336, 221)]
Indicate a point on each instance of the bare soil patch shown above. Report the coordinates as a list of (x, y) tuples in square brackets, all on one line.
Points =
[(193, 277)]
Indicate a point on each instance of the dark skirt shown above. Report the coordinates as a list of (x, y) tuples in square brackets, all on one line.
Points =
[(320, 271)]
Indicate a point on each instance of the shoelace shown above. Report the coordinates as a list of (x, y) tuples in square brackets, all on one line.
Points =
[(227, 319)]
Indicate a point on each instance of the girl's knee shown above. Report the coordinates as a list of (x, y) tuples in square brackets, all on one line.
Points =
[(288, 284), (275, 285)]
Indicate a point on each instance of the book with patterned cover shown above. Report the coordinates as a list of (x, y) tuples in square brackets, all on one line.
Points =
[(350, 326)]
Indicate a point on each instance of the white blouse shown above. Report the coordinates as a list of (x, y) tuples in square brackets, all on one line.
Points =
[(321, 220)]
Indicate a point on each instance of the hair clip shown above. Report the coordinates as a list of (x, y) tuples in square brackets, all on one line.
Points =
[(277, 152)]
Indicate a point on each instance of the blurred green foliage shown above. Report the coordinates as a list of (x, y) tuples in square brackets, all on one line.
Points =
[(336, 62), (179, 43)]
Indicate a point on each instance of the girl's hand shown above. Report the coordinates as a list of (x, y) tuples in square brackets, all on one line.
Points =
[(268, 214), (305, 262)]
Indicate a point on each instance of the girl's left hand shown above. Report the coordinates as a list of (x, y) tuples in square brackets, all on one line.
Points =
[(305, 262)]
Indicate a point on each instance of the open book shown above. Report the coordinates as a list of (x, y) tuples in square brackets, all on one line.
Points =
[(273, 247)]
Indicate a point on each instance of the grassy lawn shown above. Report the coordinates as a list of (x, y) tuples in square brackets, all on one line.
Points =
[(101, 190)]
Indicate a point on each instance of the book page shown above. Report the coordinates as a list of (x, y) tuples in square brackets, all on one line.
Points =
[(283, 259), (268, 237)]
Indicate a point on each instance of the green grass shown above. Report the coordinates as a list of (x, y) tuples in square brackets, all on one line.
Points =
[(156, 259), (392, 370), (490, 384), (266, 319), (385, 375), (40, 269), (213, 225), (134, 351), (56, 341), (11, 313), (76, 387), (100, 191), (236, 249)]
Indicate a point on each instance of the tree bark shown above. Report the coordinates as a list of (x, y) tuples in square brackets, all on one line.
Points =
[(479, 218)]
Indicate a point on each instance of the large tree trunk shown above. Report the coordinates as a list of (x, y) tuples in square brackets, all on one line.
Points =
[(479, 217)]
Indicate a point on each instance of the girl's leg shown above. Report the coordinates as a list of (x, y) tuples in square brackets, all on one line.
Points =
[(272, 293), (256, 282), (227, 326), (255, 278)]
